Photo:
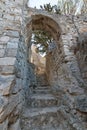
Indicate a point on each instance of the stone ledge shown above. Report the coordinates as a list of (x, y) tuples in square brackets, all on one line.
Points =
[(7, 70), (14, 34), (7, 61)]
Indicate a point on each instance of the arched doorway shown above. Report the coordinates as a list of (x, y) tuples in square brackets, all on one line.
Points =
[(46, 23)]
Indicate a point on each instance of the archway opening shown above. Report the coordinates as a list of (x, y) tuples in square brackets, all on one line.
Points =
[(54, 48), (42, 43)]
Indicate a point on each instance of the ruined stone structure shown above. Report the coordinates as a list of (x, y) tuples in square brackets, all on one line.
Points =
[(60, 102)]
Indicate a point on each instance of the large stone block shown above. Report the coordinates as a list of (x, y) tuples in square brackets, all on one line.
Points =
[(4, 39), (6, 84), (7, 70), (2, 52), (81, 103), (9, 17), (11, 52), (75, 90), (12, 45), (12, 33), (13, 41), (7, 61)]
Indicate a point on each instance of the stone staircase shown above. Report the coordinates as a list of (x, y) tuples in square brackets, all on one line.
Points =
[(42, 80), (44, 111), (41, 110)]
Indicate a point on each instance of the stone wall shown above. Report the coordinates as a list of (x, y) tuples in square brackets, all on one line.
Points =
[(82, 59), (62, 61), (13, 64), (10, 86), (81, 52), (65, 69), (16, 73)]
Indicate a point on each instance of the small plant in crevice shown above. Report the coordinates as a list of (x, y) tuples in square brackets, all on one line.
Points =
[(50, 8)]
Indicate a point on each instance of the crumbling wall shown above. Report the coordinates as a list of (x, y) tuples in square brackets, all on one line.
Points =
[(81, 52), (10, 86), (65, 71), (16, 73), (13, 64), (62, 61)]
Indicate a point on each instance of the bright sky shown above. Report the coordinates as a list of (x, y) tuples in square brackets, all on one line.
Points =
[(37, 3)]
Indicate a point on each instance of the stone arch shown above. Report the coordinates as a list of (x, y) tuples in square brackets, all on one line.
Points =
[(43, 22), (51, 26)]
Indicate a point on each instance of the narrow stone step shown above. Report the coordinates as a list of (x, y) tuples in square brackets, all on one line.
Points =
[(42, 96), (43, 87), (36, 117), (42, 100), (33, 112), (49, 127), (41, 91)]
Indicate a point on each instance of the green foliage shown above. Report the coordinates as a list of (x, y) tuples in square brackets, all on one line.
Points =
[(47, 7), (42, 40), (50, 8)]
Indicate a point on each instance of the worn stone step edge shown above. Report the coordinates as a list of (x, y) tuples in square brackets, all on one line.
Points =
[(42, 91), (42, 88), (47, 127), (32, 112), (42, 97)]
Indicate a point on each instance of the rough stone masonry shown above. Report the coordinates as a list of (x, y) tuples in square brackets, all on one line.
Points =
[(66, 64)]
